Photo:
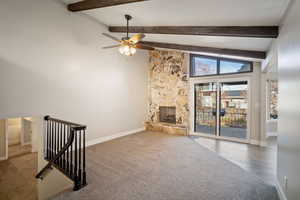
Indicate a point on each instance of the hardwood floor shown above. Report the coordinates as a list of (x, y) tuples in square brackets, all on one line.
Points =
[(17, 178), (260, 161), (18, 149)]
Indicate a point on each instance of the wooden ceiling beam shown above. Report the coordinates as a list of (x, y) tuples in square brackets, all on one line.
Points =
[(93, 4), (222, 51), (232, 31)]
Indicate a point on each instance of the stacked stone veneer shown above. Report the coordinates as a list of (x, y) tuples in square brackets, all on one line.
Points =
[(168, 86)]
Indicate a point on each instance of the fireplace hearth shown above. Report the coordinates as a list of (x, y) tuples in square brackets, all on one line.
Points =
[(167, 114)]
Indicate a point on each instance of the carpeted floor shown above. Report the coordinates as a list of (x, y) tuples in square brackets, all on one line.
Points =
[(156, 166)]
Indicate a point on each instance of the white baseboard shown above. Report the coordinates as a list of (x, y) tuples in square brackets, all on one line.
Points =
[(13, 142), (258, 143), (271, 134), (24, 144), (111, 137), (3, 158), (280, 191), (263, 143)]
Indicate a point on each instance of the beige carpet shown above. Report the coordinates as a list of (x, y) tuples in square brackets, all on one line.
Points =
[(155, 166)]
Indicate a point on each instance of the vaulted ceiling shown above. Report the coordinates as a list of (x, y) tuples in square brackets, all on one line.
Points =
[(197, 13)]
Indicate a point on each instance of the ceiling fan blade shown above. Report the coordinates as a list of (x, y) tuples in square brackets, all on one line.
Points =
[(145, 47), (111, 37), (136, 38), (112, 46)]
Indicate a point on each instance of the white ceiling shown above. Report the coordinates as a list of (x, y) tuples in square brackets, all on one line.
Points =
[(198, 13)]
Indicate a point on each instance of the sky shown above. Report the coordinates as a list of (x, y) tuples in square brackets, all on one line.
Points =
[(209, 66)]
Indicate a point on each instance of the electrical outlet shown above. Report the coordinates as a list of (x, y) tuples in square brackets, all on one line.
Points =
[(285, 179)]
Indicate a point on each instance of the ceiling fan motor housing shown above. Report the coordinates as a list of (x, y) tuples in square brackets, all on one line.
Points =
[(128, 17)]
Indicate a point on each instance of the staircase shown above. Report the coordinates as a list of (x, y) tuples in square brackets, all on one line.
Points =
[(64, 149)]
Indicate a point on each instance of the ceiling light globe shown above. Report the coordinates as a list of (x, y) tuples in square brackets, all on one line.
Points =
[(126, 48), (127, 53), (121, 50), (132, 50)]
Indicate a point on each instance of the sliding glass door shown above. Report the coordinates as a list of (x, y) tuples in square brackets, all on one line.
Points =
[(233, 109), (221, 109), (206, 108)]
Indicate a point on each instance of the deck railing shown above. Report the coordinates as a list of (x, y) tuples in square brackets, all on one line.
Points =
[(228, 119)]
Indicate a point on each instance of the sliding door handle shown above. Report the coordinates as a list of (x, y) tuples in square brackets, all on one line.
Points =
[(222, 112)]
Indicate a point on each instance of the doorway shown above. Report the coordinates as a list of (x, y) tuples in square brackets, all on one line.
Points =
[(221, 109), (19, 133)]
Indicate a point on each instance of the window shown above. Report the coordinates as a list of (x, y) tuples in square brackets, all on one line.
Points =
[(272, 92), (205, 66), (229, 67)]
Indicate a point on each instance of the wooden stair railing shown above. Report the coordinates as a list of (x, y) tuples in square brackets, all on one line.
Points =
[(64, 149)]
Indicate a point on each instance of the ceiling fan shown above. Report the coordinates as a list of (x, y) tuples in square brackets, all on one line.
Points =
[(128, 45)]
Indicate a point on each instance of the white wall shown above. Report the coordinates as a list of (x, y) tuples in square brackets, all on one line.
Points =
[(51, 62), (289, 103)]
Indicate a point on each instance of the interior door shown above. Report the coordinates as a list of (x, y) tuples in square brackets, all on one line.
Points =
[(233, 110), (206, 108)]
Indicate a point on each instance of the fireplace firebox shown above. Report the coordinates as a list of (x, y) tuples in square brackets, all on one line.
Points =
[(167, 114)]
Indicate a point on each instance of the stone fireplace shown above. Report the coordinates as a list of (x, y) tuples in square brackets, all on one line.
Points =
[(168, 92), (167, 114)]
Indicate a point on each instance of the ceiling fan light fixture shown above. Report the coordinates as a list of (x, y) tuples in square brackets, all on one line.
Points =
[(128, 45), (127, 50)]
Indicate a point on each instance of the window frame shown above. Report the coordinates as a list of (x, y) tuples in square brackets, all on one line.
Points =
[(218, 59)]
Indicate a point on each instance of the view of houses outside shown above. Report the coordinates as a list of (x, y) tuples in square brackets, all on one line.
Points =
[(233, 109), (235, 103), (273, 99)]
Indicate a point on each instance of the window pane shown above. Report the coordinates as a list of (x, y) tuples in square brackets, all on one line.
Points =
[(234, 67), (203, 66)]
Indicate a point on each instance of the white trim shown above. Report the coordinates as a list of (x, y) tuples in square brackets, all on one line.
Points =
[(262, 143), (231, 139), (280, 191), (6, 135), (263, 106), (23, 132), (3, 158), (6, 141), (14, 142), (114, 136)]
